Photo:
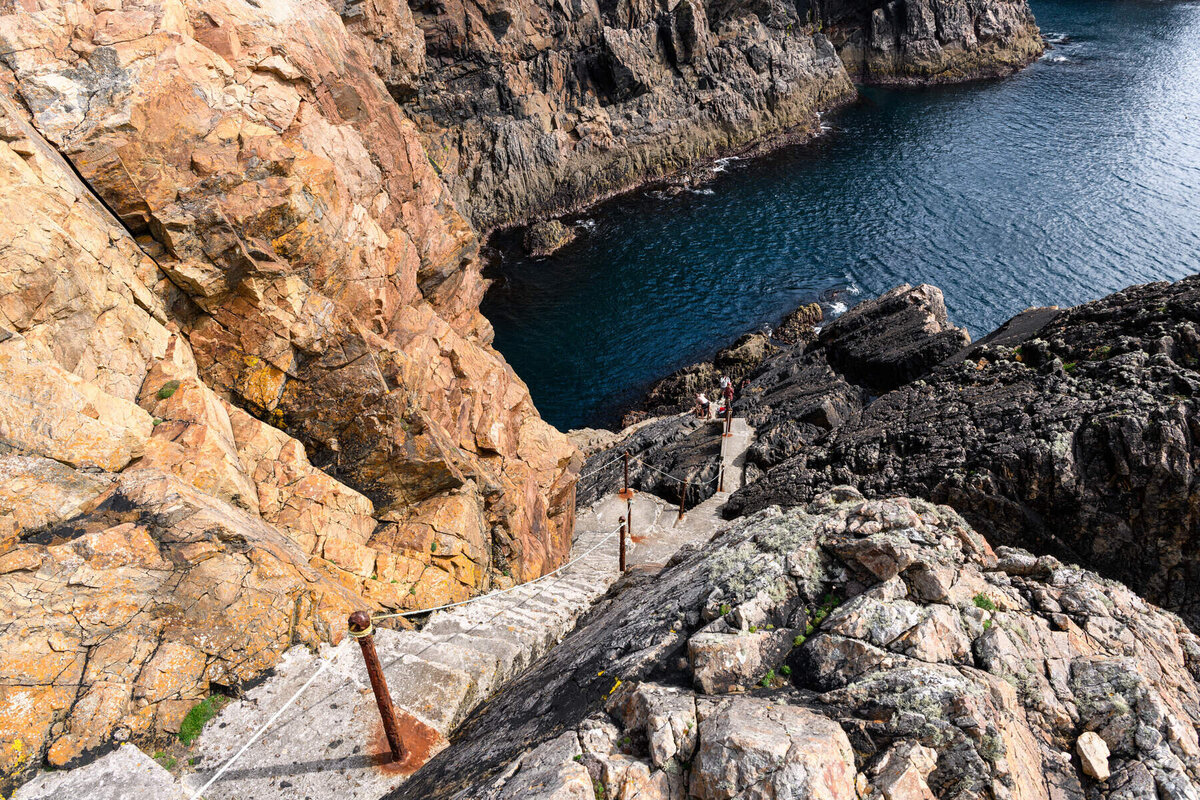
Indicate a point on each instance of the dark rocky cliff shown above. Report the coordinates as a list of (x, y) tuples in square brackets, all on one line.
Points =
[(532, 108), (1073, 432)]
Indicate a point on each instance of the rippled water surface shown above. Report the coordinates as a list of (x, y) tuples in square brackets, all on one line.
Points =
[(1077, 177)]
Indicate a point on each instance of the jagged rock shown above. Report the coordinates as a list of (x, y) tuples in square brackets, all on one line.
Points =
[(900, 772), (317, 265), (893, 339), (724, 660), (1093, 755), (663, 716), (1070, 432), (545, 238), (910, 42), (552, 772), (667, 454), (52, 412), (538, 108), (755, 749), (799, 326), (1053, 651), (117, 621)]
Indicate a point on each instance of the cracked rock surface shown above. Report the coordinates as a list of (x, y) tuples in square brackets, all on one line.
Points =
[(919, 663)]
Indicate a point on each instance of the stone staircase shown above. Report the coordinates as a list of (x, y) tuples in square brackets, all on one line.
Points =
[(328, 742)]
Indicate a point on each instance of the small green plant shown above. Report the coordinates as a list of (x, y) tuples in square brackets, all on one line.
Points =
[(1070, 366), (169, 388), (785, 670), (1102, 352), (598, 789), (200, 715), (768, 627), (156, 421), (987, 624), (799, 640), (725, 609), (767, 679), (393, 580), (625, 741), (984, 602), (579, 757), (412, 589), (808, 629), (165, 760), (433, 547), (754, 629)]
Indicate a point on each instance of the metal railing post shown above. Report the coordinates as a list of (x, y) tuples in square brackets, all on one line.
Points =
[(621, 557), (682, 501), (362, 630)]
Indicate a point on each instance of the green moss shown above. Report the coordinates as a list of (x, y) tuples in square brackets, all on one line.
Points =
[(799, 640), (785, 670), (768, 679), (169, 388), (166, 760), (200, 715), (984, 602), (725, 609)]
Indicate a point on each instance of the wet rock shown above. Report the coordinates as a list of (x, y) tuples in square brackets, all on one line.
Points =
[(547, 237), (799, 326)]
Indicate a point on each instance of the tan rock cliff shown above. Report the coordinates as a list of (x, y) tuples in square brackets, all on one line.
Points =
[(246, 387)]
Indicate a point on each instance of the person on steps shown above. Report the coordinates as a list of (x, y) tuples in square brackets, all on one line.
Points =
[(702, 406)]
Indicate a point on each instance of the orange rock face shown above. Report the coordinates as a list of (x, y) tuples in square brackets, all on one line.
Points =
[(245, 377)]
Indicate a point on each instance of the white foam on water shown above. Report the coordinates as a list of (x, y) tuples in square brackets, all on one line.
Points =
[(587, 223), (722, 163), (837, 307), (701, 191)]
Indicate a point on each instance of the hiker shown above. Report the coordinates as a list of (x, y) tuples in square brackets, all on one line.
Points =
[(728, 394), (702, 406)]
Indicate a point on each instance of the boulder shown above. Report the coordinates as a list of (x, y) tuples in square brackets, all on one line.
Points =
[(1093, 755), (547, 237), (753, 750)]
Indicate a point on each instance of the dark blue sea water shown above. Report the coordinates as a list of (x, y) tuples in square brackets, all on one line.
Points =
[(1075, 178)]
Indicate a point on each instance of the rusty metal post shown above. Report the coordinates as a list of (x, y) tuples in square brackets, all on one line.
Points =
[(621, 558), (362, 630), (626, 493), (729, 419), (682, 501)]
